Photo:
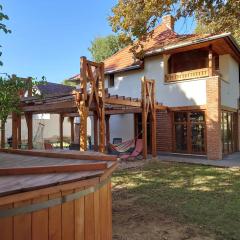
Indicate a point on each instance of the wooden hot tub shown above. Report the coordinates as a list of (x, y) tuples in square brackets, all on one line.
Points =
[(55, 195)]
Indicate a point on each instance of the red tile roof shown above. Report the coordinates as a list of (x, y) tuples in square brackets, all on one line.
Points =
[(162, 36)]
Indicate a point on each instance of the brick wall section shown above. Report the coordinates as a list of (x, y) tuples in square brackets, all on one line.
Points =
[(164, 131), (213, 118)]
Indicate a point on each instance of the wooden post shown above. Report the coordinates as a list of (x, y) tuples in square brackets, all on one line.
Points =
[(61, 119), (144, 119), (101, 93), (30, 89), (28, 117), (153, 122), (83, 111), (72, 129), (19, 131), (107, 118), (95, 130), (2, 134), (14, 131), (210, 62)]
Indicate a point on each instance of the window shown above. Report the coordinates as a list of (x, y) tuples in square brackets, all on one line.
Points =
[(111, 81)]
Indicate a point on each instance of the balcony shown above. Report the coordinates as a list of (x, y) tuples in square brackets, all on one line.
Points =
[(192, 74)]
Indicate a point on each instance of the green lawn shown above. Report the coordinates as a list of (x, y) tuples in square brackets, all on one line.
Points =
[(205, 196)]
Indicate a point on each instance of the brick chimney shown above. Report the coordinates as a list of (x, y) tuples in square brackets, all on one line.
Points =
[(168, 20)]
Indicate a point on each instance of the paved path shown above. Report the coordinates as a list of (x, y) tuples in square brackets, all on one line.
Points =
[(232, 160)]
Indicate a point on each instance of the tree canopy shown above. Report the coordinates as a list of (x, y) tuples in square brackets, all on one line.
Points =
[(227, 20), (3, 27), (11, 87), (133, 20), (104, 47)]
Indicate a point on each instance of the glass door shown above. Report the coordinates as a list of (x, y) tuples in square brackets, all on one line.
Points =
[(189, 132), (181, 133)]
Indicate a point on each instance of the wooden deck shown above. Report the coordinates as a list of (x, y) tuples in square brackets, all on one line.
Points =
[(24, 170)]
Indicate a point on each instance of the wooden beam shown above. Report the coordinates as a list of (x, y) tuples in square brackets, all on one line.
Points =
[(123, 111), (28, 116), (123, 102), (95, 130), (59, 154), (2, 134), (53, 169), (14, 131), (61, 119), (50, 107), (107, 119)]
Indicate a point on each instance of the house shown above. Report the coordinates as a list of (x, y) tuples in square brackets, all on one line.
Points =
[(45, 125), (197, 77)]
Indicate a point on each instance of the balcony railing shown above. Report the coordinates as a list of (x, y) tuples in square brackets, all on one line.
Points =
[(198, 73)]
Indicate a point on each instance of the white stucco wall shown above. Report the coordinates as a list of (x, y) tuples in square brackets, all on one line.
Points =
[(185, 93), (50, 129), (229, 70)]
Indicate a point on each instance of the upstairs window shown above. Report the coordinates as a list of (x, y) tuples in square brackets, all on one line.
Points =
[(111, 81)]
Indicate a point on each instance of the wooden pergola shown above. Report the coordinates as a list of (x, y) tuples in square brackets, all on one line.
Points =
[(91, 99)]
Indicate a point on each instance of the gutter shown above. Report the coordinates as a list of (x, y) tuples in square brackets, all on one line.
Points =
[(135, 67)]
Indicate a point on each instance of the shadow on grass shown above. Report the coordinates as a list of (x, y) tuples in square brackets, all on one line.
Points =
[(202, 195)]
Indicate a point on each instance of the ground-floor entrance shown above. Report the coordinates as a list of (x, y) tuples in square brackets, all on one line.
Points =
[(189, 132), (229, 132)]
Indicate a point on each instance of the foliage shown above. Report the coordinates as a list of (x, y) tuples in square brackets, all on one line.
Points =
[(134, 19), (224, 21), (202, 195), (104, 47), (11, 88), (3, 27), (68, 83)]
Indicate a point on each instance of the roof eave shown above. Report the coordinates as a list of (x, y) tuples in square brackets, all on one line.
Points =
[(197, 41), (135, 67)]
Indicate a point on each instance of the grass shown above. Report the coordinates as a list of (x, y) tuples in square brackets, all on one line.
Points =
[(205, 196)]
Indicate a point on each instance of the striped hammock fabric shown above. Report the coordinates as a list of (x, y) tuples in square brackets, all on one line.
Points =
[(123, 147)]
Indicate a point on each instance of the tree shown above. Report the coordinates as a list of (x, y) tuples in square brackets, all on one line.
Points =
[(68, 83), (11, 87), (104, 47), (3, 27), (133, 20), (223, 22)]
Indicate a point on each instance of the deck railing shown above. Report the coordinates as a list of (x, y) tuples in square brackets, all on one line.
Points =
[(198, 73)]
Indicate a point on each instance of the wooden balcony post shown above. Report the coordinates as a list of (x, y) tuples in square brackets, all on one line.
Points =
[(2, 134)]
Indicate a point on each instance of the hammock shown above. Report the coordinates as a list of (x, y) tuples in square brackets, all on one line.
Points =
[(122, 147)]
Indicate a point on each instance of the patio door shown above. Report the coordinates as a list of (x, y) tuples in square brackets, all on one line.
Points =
[(189, 132), (229, 132)]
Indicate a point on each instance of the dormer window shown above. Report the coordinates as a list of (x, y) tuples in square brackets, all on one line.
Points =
[(111, 81)]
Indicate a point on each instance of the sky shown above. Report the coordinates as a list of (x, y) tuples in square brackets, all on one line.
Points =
[(49, 36)]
